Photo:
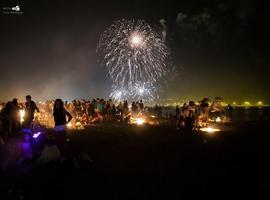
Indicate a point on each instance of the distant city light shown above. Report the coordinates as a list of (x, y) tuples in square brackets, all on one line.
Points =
[(247, 103), (260, 103)]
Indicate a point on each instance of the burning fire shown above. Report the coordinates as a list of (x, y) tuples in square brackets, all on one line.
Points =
[(22, 114), (137, 120), (140, 121), (69, 125), (218, 119), (209, 129)]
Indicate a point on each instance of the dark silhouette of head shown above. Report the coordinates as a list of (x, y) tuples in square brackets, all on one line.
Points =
[(28, 98), (15, 101), (58, 105)]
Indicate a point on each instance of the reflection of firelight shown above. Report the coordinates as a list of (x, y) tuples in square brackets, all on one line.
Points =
[(210, 129)]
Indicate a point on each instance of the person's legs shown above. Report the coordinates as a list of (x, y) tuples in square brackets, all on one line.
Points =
[(27, 123), (61, 142)]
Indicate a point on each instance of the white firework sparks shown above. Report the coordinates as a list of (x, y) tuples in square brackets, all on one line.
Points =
[(136, 58), (140, 91)]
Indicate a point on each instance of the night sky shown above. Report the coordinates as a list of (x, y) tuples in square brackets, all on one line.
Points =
[(218, 48)]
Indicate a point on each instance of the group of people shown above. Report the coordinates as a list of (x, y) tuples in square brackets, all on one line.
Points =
[(189, 116), (10, 115), (61, 113), (100, 110), (12, 121), (192, 116)]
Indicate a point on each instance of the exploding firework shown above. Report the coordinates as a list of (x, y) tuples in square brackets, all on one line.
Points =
[(139, 91), (136, 58)]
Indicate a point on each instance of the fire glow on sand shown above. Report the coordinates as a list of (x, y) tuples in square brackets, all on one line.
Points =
[(210, 129)]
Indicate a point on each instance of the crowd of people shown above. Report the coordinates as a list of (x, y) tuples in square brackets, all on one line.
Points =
[(79, 113), (192, 116), (26, 119), (86, 112)]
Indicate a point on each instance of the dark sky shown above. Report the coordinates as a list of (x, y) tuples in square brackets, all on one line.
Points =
[(219, 48)]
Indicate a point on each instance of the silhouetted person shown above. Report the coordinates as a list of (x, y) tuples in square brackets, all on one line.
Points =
[(133, 107), (15, 116), (30, 108), (141, 105), (177, 112), (230, 111), (6, 118), (60, 115)]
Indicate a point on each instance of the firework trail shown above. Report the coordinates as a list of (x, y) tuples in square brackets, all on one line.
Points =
[(136, 58)]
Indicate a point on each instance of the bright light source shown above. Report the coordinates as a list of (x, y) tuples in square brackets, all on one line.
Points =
[(140, 121), (22, 114), (141, 90), (36, 134), (210, 129), (247, 103), (259, 103), (118, 94), (218, 119), (69, 125), (136, 40), (78, 124)]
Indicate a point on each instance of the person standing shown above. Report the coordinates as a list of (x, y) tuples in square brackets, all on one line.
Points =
[(230, 111), (15, 117), (6, 119), (177, 112), (30, 108), (60, 115), (141, 105)]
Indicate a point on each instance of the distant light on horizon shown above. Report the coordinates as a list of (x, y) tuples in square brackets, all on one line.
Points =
[(260, 103), (247, 103)]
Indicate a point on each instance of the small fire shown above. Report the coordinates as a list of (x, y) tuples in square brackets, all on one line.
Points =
[(78, 124), (210, 129), (140, 121), (137, 120), (218, 119), (22, 114), (69, 125)]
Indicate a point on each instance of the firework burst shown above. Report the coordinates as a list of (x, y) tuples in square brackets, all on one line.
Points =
[(136, 58)]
